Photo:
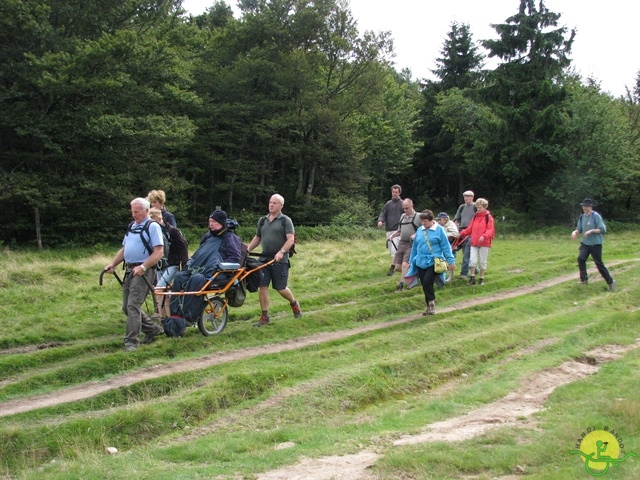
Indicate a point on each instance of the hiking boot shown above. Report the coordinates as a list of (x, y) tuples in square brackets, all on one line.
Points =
[(150, 337), (612, 286), (472, 281), (264, 320), (391, 271), (481, 281), (399, 287), (431, 308), (297, 313)]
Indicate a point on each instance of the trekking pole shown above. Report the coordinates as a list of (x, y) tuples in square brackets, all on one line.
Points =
[(114, 274)]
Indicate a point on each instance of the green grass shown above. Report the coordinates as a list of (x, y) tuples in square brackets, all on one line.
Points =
[(359, 392)]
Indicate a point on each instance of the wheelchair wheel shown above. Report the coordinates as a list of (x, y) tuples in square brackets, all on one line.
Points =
[(214, 317), (448, 276)]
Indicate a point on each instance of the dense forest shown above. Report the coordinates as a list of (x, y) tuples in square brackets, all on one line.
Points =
[(105, 100)]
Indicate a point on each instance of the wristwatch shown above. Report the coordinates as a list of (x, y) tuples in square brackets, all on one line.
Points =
[(144, 269), (283, 252)]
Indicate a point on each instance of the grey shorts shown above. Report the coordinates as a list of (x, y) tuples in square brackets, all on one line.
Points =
[(277, 274)]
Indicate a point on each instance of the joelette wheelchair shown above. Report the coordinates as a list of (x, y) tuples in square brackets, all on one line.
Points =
[(226, 288)]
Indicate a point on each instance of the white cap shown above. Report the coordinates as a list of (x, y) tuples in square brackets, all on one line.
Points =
[(468, 192)]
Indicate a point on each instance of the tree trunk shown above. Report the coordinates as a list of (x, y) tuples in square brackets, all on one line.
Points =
[(312, 178), (36, 213)]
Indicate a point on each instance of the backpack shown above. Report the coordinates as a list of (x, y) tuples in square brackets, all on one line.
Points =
[(166, 241), (410, 222), (232, 224), (174, 326), (254, 279), (236, 294), (292, 250)]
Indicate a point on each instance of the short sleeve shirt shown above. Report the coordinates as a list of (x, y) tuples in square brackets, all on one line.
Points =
[(273, 235), (134, 249)]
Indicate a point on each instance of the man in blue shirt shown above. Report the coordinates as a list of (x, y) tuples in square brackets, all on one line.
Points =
[(592, 227), (140, 256)]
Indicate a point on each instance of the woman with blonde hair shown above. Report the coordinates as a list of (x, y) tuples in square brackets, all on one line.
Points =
[(157, 198)]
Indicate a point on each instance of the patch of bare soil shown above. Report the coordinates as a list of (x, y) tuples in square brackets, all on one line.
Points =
[(91, 389), (337, 467)]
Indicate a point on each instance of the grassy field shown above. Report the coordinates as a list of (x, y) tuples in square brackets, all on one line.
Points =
[(376, 370)]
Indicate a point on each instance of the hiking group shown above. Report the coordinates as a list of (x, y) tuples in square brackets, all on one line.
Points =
[(423, 246), (154, 251)]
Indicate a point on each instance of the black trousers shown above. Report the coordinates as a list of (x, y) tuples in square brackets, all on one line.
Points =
[(596, 254), (427, 277)]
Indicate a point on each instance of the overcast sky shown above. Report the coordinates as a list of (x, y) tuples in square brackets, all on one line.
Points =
[(605, 48)]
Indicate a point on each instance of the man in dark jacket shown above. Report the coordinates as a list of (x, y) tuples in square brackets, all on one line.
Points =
[(217, 246), (390, 219)]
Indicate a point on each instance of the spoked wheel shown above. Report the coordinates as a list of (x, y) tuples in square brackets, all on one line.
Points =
[(448, 276), (214, 317)]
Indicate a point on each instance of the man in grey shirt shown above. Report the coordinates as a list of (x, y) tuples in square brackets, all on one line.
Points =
[(463, 217), (407, 228), (276, 234)]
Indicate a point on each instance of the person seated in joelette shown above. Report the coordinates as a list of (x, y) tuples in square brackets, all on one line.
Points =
[(218, 245)]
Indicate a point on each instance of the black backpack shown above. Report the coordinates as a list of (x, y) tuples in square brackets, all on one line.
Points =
[(147, 241), (174, 326)]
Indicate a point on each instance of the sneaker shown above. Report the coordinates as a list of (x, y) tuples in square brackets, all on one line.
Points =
[(612, 286), (150, 337), (462, 277), (400, 287), (391, 271), (583, 282), (481, 281), (297, 313), (130, 347), (264, 320), (472, 281)]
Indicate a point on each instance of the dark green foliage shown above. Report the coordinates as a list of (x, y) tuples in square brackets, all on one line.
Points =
[(103, 101)]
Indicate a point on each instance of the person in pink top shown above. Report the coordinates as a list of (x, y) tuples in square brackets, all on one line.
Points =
[(482, 230)]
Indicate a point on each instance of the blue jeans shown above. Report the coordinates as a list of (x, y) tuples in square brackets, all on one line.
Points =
[(466, 253)]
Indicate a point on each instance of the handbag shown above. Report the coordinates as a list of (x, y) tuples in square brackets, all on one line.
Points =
[(439, 264)]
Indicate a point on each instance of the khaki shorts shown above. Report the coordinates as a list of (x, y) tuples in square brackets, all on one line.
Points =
[(403, 253)]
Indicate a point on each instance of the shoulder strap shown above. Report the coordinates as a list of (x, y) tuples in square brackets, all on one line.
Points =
[(426, 237), (146, 242)]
